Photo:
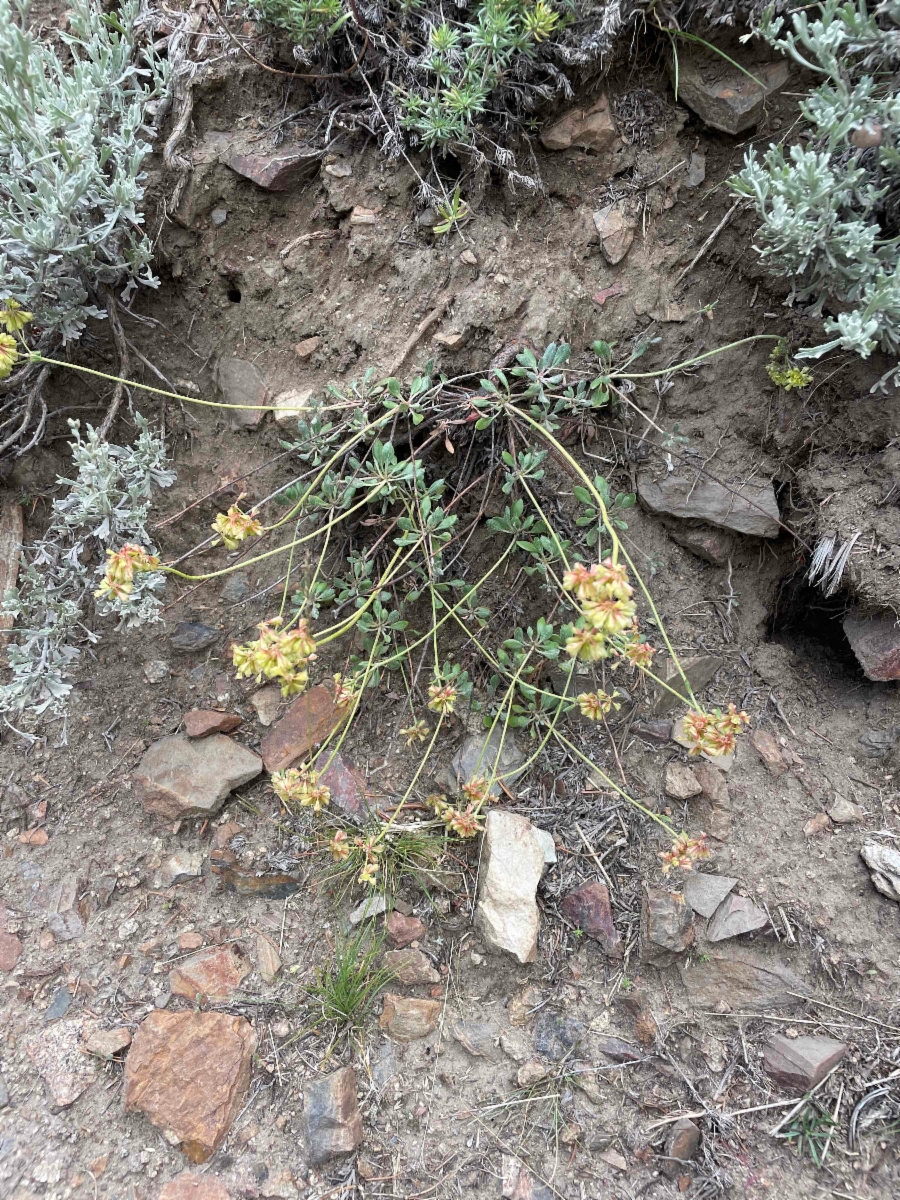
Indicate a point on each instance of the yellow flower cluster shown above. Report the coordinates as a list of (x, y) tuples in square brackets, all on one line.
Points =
[(235, 527), (714, 733), (596, 705), (368, 848), (442, 698), (462, 821), (280, 654), (684, 852), (300, 786), (345, 690), (417, 732), (13, 319), (121, 567), (607, 609)]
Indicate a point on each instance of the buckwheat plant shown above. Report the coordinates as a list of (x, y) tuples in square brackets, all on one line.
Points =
[(830, 204), (387, 519)]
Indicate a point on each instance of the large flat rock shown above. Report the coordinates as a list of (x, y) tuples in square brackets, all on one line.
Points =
[(749, 508), (182, 777)]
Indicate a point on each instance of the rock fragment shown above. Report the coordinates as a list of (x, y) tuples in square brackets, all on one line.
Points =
[(699, 671), (556, 1036), (180, 867), (666, 926), (705, 892), (290, 405), (201, 722), (484, 755), (747, 508), (189, 1186), (680, 782), (346, 783), (682, 1144), (884, 866), (241, 384), (478, 1038), (179, 777), (410, 967), (406, 1020), (309, 720), (844, 812), (308, 347), (331, 1116), (106, 1043), (740, 980), (189, 1073), (734, 916), (372, 906), (276, 172), (875, 640), (723, 96), (512, 864), (619, 1051), (714, 546), (588, 128), (190, 637), (769, 751), (10, 950), (266, 703), (800, 1063), (616, 229), (212, 976), (588, 908), (820, 823), (268, 960), (401, 930), (61, 1062)]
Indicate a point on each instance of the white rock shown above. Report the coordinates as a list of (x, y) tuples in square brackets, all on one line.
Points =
[(180, 867), (548, 846), (291, 404), (372, 906), (511, 867), (884, 864), (845, 812)]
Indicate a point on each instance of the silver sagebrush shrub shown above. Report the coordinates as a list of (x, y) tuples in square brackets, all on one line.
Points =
[(74, 134), (107, 503), (830, 209)]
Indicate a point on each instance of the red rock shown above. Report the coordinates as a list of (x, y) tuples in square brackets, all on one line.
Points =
[(201, 722), (588, 909), (406, 1020), (666, 926), (189, 1073), (273, 885), (223, 835), (276, 172), (346, 784), (309, 720), (713, 782), (214, 975), (769, 751), (411, 967), (34, 837), (331, 1116), (682, 1144), (106, 1043), (190, 941), (820, 823), (194, 1187), (10, 949), (307, 348), (800, 1063), (401, 930), (181, 777), (875, 640)]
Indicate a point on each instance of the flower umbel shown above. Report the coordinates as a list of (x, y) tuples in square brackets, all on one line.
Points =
[(418, 732), (465, 823), (300, 786), (684, 852), (13, 316), (121, 567), (280, 654), (340, 846), (442, 698), (235, 527), (9, 354), (596, 705), (714, 733)]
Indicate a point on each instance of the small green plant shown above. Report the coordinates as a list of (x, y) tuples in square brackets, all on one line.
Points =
[(410, 854), (344, 989), (453, 213), (784, 373), (810, 1131), (830, 205)]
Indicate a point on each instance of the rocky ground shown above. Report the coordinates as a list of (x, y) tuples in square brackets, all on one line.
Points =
[(561, 1020)]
